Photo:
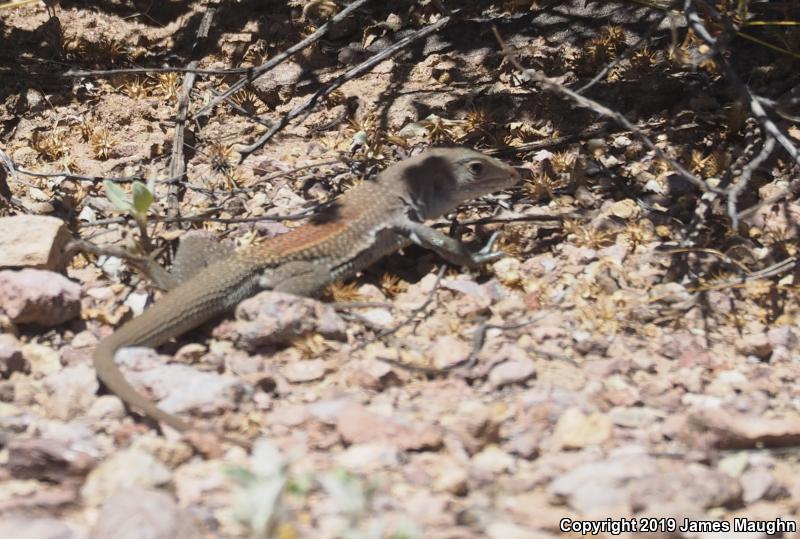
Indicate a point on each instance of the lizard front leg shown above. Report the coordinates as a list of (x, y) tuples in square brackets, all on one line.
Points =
[(448, 248)]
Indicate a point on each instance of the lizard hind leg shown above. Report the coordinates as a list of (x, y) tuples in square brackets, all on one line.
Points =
[(301, 277), (195, 252)]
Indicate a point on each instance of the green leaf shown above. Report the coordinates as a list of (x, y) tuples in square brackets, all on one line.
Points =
[(241, 475), (300, 484), (346, 489), (142, 199), (117, 196)]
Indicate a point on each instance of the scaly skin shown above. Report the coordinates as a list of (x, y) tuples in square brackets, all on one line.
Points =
[(369, 221)]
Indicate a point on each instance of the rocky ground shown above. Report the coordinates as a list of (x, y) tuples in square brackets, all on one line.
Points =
[(631, 365)]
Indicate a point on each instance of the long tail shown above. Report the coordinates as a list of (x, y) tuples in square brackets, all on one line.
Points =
[(185, 308)]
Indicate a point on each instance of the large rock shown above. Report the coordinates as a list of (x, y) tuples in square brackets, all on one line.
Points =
[(28, 527), (11, 359), (271, 318), (180, 388), (47, 459), (33, 241), (32, 296), (143, 514), (357, 425), (124, 470)]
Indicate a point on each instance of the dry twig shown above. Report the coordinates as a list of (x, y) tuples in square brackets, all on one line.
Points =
[(348, 75), (766, 123), (593, 105), (261, 70), (177, 167)]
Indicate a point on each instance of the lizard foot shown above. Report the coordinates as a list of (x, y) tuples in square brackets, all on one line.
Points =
[(486, 255)]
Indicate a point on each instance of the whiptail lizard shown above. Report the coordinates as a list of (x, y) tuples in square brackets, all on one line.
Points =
[(369, 221)]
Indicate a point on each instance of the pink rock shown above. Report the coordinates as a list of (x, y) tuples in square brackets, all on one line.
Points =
[(604, 485), (448, 351), (517, 368), (696, 486), (475, 426), (181, 387), (271, 318), (11, 359), (784, 336), (304, 371), (777, 217), (525, 444), (374, 374), (674, 344), (329, 411), (479, 293), (47, 460), (71, 391), (144, 513), (33, 241), (732, 430), (760, 484), (39, 297), (292, 415), (538, 266), (37, 528), (755, 344), (357, 425), (575, 430)]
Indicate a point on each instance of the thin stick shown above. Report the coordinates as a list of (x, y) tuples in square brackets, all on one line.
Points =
[(411, 316), (591, 104), (149, 70), (742, 89), (259, 71), (348, 75), (747, 172), (177, 166)]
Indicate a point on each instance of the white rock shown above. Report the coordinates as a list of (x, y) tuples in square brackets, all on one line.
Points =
[(126, 469)]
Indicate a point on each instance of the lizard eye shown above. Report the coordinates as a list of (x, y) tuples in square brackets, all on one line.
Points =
[(476, 168)]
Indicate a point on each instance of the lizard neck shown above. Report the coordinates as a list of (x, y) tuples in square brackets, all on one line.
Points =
[(425, 187)]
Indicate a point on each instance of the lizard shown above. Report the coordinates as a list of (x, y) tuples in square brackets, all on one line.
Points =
[(368, 221)]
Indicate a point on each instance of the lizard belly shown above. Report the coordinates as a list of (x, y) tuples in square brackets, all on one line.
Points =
[(385, 242)]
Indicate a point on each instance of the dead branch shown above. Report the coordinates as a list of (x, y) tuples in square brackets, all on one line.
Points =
[(744, 178), (593, 105), (766, 123), (552, 143), (348, 75), (261, 70), (74, 73), (177, 166), (412, 315)]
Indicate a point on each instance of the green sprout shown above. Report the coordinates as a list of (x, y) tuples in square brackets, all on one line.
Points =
[(136, 205)]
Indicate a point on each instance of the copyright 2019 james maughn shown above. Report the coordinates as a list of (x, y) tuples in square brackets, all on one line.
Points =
[(617, 526)]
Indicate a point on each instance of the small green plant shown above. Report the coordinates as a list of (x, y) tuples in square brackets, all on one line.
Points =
[(267, 490), (258, 497), (137, 205), (348, 491)]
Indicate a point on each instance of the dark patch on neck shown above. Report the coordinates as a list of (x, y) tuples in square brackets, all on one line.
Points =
[(327, 213), (425, 181)]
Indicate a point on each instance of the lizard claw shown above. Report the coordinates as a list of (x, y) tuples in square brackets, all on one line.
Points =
[(486, 255), (489, 244)]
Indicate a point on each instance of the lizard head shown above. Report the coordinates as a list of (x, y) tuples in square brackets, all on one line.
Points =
[(438, 180)]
